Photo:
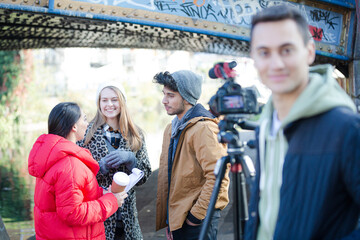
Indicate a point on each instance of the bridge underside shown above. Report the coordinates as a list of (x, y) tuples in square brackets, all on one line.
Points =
[(24, 30), (30, 30)]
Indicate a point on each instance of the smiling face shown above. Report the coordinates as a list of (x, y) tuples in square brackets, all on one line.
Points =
[(109, 104), (281, 57)]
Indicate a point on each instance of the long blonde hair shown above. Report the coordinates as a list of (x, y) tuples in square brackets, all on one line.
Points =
[(128, 129)]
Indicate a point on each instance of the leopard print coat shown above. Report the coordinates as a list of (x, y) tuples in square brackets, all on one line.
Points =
[(129, 214)]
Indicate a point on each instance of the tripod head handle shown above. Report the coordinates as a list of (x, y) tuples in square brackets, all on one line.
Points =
[(248, 125), (248, 166), (251, 144)]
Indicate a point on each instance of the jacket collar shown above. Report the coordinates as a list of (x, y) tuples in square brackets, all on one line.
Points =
[(196, 111)]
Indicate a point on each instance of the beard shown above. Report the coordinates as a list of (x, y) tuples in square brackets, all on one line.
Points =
[(178, 110)]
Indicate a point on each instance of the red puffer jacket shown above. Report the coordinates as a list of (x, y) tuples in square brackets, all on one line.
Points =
[(69, 204)]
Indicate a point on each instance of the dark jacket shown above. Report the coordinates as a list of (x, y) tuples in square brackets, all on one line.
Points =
[(320, 189), (320, 194)]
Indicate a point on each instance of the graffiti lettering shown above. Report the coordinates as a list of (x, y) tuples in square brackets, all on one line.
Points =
[(201, 12), (319, 15), (227, 14), (316, 33), (165, 6), (326, 25), (229, 11), (263, 3), (240, 9), (329, 38), (319, 35), (238, 12), (195, 2)]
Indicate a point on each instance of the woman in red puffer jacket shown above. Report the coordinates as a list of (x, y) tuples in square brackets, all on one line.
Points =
[(69, 204)]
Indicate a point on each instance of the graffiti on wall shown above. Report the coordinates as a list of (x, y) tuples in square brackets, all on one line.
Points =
[(234, 12), (324, 25)]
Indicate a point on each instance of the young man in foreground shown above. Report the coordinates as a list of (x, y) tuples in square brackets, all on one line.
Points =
[(308, 172)]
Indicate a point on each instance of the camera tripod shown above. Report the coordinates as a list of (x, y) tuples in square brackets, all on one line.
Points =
[(241, 167)]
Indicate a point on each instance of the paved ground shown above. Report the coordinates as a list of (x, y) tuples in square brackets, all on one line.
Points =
[(146, 206), (146, 198)]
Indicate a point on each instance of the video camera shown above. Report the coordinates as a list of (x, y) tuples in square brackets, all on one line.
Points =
[(231, 98), (232, 101)]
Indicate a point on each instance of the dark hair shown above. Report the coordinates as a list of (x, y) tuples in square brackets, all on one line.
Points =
[(282, 12), (167, 80), (62, 118)]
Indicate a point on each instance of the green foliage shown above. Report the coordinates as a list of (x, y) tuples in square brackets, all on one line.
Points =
[(15, 201), (10, 71)]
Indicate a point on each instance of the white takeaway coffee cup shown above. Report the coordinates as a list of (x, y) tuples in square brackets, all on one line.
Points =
[(120, 181)]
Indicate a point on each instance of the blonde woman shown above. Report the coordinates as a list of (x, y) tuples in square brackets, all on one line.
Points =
[(118, 145)]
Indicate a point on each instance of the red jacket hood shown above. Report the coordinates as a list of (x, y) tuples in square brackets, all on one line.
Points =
[(50, 148)]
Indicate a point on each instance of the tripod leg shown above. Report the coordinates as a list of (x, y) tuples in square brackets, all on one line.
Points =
[(210, 211), (240, 200)]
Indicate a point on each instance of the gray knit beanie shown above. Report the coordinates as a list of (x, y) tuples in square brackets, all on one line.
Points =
[(188, 84)]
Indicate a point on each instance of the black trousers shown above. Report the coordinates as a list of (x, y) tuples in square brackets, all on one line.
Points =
[(187, 232), (119, 231)]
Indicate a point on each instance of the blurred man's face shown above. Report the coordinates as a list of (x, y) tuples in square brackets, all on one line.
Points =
[(281, 57)]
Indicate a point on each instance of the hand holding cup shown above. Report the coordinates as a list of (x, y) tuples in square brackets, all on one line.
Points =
[(120, 197)]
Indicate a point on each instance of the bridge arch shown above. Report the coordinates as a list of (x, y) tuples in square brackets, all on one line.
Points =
[(213, 26)]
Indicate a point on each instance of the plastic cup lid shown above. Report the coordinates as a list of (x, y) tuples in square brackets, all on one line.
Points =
[(121, 178)]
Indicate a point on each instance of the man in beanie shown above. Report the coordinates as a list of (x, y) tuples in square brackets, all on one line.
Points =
[(190, 151)]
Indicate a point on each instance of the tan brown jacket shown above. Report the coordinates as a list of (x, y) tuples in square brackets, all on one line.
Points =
[(192, 177)]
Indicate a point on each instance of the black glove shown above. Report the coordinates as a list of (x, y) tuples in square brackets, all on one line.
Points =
[(115, 158)]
